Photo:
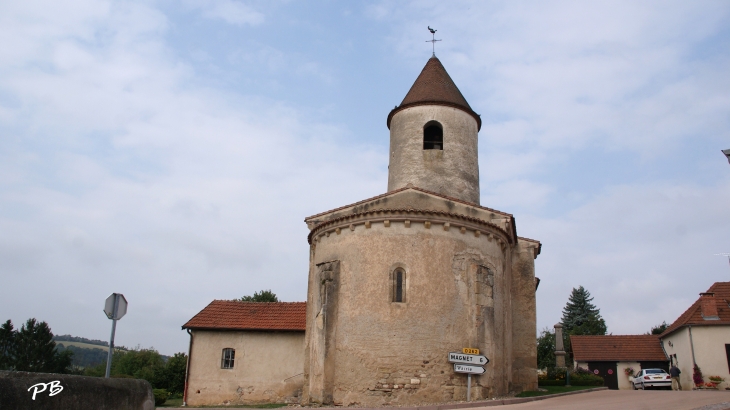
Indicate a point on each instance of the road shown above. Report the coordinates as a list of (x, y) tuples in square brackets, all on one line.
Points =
[(601, 400), (631, 400)]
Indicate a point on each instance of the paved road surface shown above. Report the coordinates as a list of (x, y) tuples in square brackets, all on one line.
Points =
[(611, 400), (631, 400)]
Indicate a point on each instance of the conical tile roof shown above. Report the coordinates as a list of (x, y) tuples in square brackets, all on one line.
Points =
[(434, 86)]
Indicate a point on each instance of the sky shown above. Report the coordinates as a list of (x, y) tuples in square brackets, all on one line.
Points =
[(170, 150)]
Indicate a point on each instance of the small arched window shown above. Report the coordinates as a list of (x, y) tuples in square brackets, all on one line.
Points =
[(399, 285), (227, 358), (433, 136)]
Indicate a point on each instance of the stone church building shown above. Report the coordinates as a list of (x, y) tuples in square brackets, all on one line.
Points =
[(398, 281)]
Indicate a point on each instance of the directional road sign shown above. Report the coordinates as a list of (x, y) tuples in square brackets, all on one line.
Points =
[(468, 368), (479, 360)]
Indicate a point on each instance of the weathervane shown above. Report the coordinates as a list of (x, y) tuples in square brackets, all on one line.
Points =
[(433, 40)]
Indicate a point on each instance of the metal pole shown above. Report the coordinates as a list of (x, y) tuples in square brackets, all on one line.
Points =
[(468, 388), (111, 341)]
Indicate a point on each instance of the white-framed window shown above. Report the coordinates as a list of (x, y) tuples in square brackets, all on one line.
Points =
[(227, 358)]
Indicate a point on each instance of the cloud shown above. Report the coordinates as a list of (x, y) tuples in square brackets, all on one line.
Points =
[(232, 12), (121, 176), (643, 251), (601, 126)]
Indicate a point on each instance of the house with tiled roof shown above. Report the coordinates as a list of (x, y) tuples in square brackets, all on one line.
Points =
[(609, 356), (245, 352), (701, 335)]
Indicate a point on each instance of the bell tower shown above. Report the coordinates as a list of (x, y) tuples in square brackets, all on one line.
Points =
[(434, 138)]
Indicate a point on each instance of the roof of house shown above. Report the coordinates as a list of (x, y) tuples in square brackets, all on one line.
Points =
[(710, 309), (235, 315), (619, 348), (434, 86)]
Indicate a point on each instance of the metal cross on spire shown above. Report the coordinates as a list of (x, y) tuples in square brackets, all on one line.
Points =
[(433, 40)]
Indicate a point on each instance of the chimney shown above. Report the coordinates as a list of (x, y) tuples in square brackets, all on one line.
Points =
[(709, 306)]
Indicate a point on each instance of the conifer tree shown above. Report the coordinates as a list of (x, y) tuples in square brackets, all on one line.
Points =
[(580, 316), (7, 344), (35, 351)]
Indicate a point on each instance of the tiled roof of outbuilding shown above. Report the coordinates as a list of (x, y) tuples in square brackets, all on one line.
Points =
[(435, 86), (234, 315), (619, 348), (693, 316)]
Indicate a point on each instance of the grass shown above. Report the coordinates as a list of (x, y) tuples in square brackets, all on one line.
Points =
[(553, 390), (81, 345)]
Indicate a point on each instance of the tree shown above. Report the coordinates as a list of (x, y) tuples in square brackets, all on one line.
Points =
[(659, 329), (35, 351), (546, 349), (174, 373), (263, 296), (7, 345), (580, 316)]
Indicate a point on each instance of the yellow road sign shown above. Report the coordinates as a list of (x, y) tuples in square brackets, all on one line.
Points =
[(469, 350)]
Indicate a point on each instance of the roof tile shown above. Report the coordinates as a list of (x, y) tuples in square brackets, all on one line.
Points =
[(617, 348), (235, 315), (435, 86)]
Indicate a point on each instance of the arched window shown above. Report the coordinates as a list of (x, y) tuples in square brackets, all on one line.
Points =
[(399, 285), (227, 358), (433, 136)]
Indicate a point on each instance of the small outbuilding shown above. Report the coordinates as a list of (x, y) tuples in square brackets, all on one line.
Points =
[(245, 353), (609, 356)]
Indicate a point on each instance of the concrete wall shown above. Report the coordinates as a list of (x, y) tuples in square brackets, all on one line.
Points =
[(63, 391), (364, 349), (709, 349), (624, 383), (267, 368), (453, 171)]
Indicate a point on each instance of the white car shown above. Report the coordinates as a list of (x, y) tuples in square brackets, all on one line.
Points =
[(652, 378)]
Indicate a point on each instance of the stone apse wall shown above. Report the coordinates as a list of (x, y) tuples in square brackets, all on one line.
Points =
[(466, 285)]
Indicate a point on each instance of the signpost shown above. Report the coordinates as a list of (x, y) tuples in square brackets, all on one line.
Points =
[(115, 308), (469, 362), (467, 368), (475, 359)]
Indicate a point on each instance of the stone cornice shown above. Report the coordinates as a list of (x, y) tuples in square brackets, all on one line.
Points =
[(409, 215), (400, 108)]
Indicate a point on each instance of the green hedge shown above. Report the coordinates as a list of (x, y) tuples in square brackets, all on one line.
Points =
[(586, 382), (584, 378), (160, 396), (550, 382)]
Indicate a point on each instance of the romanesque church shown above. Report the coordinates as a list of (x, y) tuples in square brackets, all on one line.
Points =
[(396, 282)]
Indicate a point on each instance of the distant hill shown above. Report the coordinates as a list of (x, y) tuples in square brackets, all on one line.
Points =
[(87, 352), (69, 338)]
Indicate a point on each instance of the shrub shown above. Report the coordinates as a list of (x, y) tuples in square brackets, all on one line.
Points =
[(584, 377), (160, 396), (553, 373), (591, 382), (697, 376), (550, 382)]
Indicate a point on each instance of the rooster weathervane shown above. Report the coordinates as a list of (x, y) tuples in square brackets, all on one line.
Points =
[(433, 40)]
